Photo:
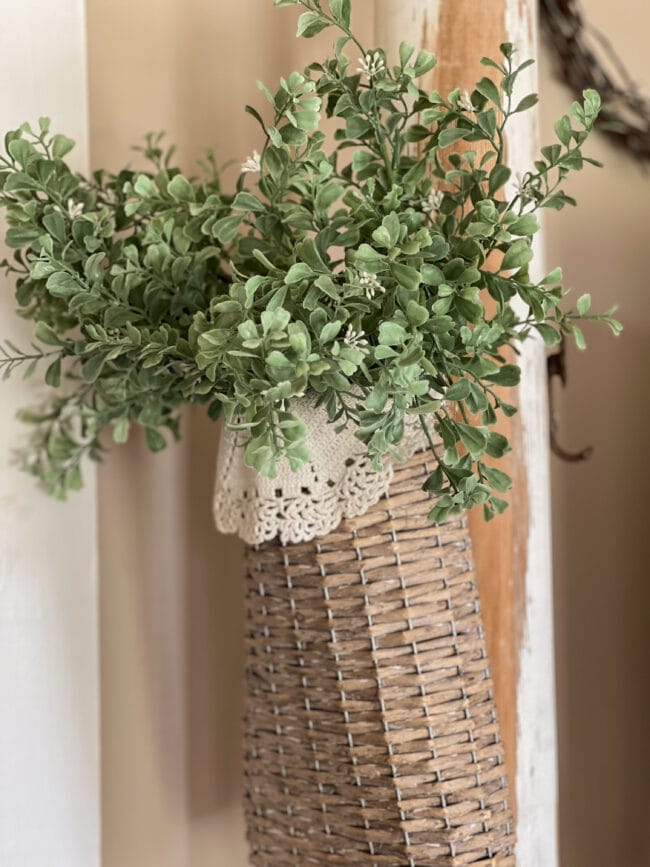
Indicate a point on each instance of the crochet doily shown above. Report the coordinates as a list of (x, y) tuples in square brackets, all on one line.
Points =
[(338, 482)]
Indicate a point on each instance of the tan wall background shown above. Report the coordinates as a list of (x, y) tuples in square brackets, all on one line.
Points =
[(601, 517), (170, 603)]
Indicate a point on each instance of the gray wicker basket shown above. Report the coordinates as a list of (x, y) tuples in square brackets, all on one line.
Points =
[(371, 729)]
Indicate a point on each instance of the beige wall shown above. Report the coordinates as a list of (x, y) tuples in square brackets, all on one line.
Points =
[(171, 606), (601, 514)]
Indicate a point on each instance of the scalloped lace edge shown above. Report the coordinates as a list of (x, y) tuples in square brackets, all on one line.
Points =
[(256, 519)]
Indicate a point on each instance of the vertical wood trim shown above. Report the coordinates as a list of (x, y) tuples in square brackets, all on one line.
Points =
[(49, 690), (464, 38), (537, 783), (512, 554)]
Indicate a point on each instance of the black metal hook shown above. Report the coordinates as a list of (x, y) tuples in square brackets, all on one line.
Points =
[(556, 367)]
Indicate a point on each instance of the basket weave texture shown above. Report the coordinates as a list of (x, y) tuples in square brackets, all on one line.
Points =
[(371, 730)]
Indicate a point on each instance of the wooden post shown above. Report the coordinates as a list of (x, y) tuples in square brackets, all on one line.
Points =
[(49, 667), (512, 555)]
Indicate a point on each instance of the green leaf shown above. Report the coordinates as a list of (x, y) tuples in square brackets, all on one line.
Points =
[(592, 104), (381, 236), (277, 359), (408, 277), (376, 399), (584, 304), (444, 508), (367, 258), (387, 235), (487, 120), (549, 334), (245, 201), (499, 176), (249, 109), (527, 102), (435, 482), (328, 194), (392, 224), (20, 181), (310, 24), (53, 374), (427, 407), (225, 229), (155, 440), (61, 146), (432, 275), (553, 278), (22, 151), (406, 51), (340, 9), (508, 375), (519, 254), (497, 445), (473, 438), (55, 225), (330, 331), (307, 251), (487, 61), (563, 130), (487, 88), (121, 430), (306, 120), (449, 136), (73, 478), (62, 284), (460, 390), (91, 368), (579, 337), (274, 320), (299, 271), (180, 189), (525, 225), (145, 187), (391, 334), (46, 334), (416, 314), (424, 62), (499, 480)]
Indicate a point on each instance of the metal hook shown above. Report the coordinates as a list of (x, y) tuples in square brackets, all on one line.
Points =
[(556, 367)]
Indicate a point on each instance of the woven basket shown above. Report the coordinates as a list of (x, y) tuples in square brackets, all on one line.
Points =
[(371, 730)]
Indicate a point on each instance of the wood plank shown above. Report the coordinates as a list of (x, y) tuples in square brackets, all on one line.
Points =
[(461, 32), (49, 671)]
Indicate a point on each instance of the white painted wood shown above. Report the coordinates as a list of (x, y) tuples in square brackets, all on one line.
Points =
[(406, 21), (49, 729), (536, 783)]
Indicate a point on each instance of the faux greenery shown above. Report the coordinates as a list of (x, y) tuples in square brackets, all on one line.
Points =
[(386, 275)]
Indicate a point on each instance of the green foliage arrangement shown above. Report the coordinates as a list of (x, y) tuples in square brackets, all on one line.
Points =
[(355, 273)]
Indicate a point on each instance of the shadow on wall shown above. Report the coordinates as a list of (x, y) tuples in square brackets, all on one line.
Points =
[(172, 659), (215, 629), (600, 508)]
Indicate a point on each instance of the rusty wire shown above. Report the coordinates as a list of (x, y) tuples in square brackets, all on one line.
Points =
[(586, 58)]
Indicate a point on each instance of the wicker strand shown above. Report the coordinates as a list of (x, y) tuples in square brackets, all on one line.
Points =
[(371, 730)]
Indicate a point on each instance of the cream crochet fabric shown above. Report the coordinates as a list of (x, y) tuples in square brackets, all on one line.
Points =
[(338, 482)]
